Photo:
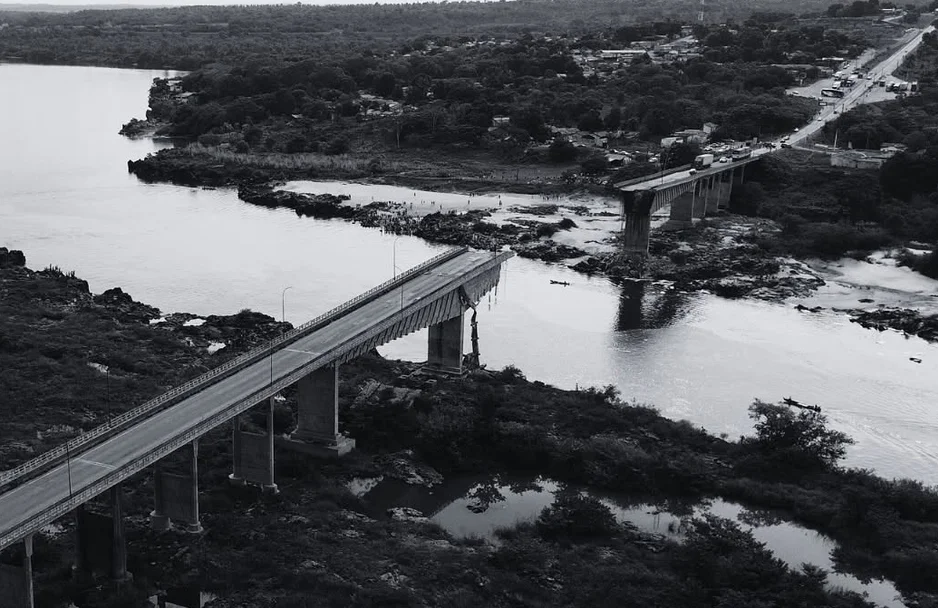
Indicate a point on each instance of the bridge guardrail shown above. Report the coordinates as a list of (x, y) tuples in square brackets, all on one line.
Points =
[(213, 375), (651, 176), (205, 424)]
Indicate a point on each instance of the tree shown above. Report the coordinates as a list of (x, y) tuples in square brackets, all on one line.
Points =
[(800, 438), (561, 151), (385, 84)]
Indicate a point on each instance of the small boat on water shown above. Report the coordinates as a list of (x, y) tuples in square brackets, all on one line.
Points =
[(553, 282), (793, 403)]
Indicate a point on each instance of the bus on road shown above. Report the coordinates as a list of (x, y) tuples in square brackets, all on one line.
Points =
[(831, 93)]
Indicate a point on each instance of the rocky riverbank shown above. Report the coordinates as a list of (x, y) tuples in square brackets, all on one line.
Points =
[(309, 540), (909, 322)]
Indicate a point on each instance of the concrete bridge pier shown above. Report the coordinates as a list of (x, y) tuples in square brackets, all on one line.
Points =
[(740, 176), (702, 197), (176, 496), (100, 540), (636, 233), (16, 582), (317, 415), (682, 210), (725, 190), (253, 454), (445, 346)]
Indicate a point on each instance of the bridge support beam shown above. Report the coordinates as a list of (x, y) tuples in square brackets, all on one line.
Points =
[(726, 189), (445, 346), (713, 202), (16, 583), (636, 233), (253, 454), (682, 210), (317, 415), (702, 198), (100, 540), (176, 496)]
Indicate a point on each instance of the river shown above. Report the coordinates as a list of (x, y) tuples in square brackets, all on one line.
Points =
[(66, 199)]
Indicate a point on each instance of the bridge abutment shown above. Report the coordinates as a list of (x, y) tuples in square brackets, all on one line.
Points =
[(445, 346), (176, 496), (317, 415)]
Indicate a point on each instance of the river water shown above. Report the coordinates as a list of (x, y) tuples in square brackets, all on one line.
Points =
[(66, 199)]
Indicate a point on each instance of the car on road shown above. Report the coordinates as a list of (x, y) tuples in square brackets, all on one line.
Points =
[(724, 159), (785, 144), (692, 171)]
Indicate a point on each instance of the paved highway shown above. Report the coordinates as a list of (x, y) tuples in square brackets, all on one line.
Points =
[(32, 498), (858, 93), (856, 96)]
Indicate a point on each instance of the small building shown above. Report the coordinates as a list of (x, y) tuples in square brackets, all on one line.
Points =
[(697, 136), (860, 159)]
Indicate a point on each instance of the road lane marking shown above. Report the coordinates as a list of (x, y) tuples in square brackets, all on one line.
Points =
[(305, 352), (109, 467)]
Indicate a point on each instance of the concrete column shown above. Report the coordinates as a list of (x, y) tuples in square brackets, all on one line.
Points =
[(16, 582), (81, 555), (118, 539), (194, 525), (270, 485), (317, 415), (159, 520), (727, 192), (28, 567), (699, 210), (682, 211), (237, 475), (713, 203), (445, 345), (636, 233)]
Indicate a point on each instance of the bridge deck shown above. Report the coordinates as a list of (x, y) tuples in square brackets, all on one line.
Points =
[(41, 494), (677, 178)]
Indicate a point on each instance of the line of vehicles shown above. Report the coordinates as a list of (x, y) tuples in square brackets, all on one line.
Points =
[(702, 161)]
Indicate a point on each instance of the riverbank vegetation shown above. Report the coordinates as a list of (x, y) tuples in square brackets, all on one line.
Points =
[(309, 540)]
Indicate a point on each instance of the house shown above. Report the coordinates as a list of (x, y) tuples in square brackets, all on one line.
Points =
[(501, 121)]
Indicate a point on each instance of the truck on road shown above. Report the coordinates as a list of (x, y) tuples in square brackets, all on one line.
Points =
[(702, 161)]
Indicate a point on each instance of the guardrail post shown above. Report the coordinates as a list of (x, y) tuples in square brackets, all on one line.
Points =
[(317, 415)]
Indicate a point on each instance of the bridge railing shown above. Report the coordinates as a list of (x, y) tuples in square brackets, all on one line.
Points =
[(214, 375), (209, 421), (650, 177)]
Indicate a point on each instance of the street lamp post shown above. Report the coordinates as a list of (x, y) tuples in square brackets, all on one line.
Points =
[(283, 307)]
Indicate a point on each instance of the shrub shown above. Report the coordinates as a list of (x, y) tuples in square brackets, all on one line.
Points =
[(576, 516), (801, 439)]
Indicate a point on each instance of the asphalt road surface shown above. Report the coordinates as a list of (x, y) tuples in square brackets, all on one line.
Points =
[(23, 502), (864, 91)]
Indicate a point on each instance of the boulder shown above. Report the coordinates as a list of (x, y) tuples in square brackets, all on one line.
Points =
[(10, 258)]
